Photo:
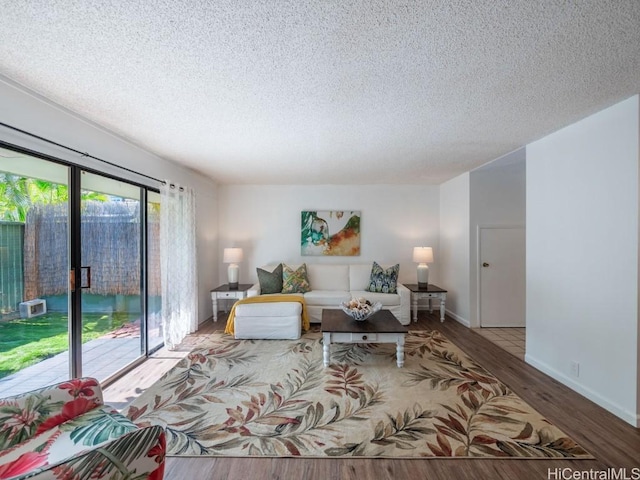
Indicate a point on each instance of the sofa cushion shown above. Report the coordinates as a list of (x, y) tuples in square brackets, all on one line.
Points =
[(295, 281), (384, 280), (329, 298), (297, 294), (359, 276), (328, 277), (270, 282), (271, 309), (385, 299)]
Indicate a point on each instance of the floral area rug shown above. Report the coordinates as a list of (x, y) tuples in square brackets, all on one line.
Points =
[(274, 398)]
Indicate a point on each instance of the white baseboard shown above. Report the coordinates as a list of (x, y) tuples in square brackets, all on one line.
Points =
[(629, 417), (436, 309), (458, 318)]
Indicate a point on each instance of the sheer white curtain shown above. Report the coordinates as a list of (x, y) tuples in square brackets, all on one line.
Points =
[(178, 262)]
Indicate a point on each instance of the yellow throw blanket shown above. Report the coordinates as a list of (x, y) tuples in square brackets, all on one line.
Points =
[(268, 299)]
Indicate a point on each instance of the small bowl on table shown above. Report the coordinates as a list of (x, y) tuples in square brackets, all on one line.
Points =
[(362, 311)]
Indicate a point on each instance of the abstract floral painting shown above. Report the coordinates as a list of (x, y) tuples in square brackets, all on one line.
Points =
[(330, 232)]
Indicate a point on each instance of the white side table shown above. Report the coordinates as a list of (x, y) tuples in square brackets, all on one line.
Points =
[(225, 293), (429, 293)]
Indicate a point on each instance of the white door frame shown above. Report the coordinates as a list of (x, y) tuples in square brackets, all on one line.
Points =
[(479, 227)]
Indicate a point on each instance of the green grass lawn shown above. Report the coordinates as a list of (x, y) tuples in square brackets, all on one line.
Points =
[(27, 341)]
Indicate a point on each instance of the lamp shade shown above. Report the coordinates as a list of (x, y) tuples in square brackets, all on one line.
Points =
[(232, 255), (422, 254)]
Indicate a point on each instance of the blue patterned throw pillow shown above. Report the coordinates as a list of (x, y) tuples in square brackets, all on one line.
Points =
[(384, 281)]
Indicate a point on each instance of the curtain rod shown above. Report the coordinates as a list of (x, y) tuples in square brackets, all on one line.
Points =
[(84, 154)]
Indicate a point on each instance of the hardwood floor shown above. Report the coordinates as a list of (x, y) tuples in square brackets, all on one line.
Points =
[(614, 443)]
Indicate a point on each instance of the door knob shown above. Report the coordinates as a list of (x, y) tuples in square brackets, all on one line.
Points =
[(485, 264)]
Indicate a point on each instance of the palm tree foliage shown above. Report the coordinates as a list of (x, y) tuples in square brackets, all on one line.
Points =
[(18, 194)]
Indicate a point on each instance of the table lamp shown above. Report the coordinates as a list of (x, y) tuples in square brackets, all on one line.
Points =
[(232, 256), (422, 256)]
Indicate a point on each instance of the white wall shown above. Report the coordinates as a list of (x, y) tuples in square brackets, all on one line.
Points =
[(265, 221), (454, 246), (582, 256), (497, 198), (28, 111)]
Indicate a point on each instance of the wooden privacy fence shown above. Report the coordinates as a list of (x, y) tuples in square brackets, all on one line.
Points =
[(11, 271), (110, 233)]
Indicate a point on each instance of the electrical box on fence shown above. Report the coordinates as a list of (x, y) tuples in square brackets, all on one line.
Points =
[(33, 308)]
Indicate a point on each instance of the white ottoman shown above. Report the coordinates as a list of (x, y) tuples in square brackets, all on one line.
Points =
[(269, 321)]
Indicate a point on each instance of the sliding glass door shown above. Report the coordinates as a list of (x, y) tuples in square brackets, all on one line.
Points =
[(79, 273), (110, 275), (34, 273)]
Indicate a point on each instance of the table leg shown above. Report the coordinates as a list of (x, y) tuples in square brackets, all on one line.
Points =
[(414, 305), (430, 306), (400, 351), (215, 308), (442, 300), (326, 348)]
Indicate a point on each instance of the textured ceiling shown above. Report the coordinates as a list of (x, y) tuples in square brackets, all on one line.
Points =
[(326, 91)]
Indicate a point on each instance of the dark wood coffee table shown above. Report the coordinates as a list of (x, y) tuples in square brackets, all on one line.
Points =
[(381, 327)]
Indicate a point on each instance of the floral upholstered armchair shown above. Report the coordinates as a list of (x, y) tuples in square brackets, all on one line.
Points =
[(65, 432)]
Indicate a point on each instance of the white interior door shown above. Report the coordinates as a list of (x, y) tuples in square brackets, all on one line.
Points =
[(502, 276)]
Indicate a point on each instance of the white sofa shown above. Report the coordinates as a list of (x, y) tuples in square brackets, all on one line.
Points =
[(334, 284)]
